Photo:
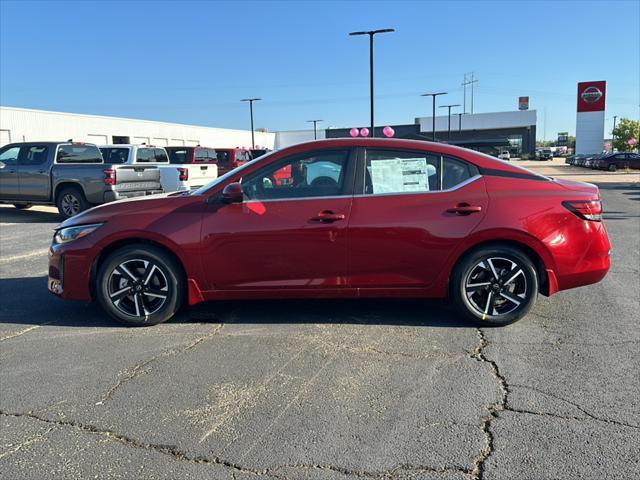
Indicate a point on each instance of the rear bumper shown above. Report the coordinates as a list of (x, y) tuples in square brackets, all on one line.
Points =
[(112, 195)]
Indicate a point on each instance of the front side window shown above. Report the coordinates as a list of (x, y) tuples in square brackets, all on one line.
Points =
[(79, 153), (9, 156), (319, 174), (395, 172)]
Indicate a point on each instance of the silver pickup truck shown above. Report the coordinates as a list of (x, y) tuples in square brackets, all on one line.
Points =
[(70, 175)]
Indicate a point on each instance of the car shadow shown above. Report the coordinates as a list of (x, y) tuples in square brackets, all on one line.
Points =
[(13, 215), (26, 301)]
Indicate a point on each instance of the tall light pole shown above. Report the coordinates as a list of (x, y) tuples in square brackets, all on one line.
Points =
[(251, 100), (315, 122), (449, 115), (433, 116), (459, 121), (371, 33), (613, 132)]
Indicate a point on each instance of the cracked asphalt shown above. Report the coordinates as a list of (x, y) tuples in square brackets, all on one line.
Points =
[(320, 389)]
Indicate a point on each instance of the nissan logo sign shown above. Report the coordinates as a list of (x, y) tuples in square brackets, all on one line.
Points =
[(591, 95)]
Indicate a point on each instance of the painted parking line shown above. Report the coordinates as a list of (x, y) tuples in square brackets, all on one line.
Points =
[(14, 258)]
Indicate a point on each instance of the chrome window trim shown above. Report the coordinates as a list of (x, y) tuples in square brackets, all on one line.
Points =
[(456, 187)]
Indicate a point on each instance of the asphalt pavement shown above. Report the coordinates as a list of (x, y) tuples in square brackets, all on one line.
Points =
[(320, 389)]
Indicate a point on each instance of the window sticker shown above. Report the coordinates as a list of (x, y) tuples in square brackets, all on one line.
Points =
[(396, 175)]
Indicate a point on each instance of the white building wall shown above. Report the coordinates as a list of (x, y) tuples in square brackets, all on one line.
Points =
[(480, 121), (21, 124), (292, 137)]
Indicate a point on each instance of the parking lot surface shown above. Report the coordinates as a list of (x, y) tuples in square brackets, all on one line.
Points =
[(320, 389)]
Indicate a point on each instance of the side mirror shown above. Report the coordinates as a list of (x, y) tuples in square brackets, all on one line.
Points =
[(233, 193)]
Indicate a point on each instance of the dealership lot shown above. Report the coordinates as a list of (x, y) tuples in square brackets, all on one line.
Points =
[(322, 390)]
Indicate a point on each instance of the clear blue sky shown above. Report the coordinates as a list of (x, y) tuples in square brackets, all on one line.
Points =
[(191, 62)]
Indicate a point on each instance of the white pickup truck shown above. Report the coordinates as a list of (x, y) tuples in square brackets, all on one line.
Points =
[(173, 177)]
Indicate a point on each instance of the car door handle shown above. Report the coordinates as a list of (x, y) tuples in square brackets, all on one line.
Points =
[(464, 209), (327, 216)]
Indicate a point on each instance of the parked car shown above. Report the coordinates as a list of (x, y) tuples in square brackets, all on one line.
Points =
[(402, 219), (174, 177), (616, 161), (71, 175), (545, 154), (231, 158), (504, 155), (258, 152)]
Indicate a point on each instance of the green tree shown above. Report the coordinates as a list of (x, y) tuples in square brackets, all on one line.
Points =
[(625, 130)]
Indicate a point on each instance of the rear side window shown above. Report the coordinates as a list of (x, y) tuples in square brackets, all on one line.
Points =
[(35, 155), (161, 155), (115, 155), (389, 172), (145, 155), (242, 156), (71, 153)]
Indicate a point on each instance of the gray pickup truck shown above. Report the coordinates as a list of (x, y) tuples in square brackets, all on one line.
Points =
[(70, 175)]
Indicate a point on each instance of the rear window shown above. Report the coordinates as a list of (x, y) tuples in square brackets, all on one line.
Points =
[(203, 155), (178, 155), (145, 155), (71, 153), (115, 155)]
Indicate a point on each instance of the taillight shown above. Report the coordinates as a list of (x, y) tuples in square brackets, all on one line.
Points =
[(109, 177), (586, 209), (183, 174)]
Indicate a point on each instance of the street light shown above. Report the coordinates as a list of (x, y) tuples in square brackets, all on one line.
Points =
[(434, 95), (315, 122), (251, 100), (613, 133), (449, 127), (371, 33)]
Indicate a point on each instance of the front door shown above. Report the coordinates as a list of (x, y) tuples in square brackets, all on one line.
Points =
[(9, 186), (289, 233), (33, 173), (415, 208)]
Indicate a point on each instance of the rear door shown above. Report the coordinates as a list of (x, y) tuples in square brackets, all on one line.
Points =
[(412, 210), (203, 168), (9, 186), (33, 172)]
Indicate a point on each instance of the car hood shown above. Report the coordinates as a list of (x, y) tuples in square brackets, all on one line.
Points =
[(104, 212)]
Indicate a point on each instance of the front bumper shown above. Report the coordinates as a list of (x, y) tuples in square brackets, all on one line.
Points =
[(70, 272)]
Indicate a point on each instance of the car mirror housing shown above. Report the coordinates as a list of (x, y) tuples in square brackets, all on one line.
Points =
[(233, 193)]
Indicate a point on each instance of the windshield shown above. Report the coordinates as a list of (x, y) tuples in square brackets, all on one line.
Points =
[(227, 175)]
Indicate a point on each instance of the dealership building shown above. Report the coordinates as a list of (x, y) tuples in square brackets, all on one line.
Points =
[(487, 132)]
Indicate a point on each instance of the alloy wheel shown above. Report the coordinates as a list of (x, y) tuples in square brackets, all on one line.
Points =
[(138, 288), (495, 287), (70, 205)]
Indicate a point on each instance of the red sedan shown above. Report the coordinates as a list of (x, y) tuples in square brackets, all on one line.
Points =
[(356, 218)]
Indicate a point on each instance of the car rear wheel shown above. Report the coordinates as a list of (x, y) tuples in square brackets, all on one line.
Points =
[(140, 285), (71, 201), (494, 286), (22, 206)]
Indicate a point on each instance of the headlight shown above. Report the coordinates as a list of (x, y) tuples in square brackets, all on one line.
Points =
[(69, 234)]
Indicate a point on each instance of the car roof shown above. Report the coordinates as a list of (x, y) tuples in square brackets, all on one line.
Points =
[(129, 145)]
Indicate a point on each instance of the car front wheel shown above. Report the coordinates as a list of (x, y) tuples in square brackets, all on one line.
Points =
[(140, 285), (494, 286)]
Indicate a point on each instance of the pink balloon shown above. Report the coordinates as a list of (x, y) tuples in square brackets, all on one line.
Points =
[(388, 132), (353, 132), (364, 132), (632, 141)]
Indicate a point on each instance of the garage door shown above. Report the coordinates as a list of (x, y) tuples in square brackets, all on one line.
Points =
[(193, 143), (5, 137), (161, 142), (97, 139), (177, 143), (139, 140)]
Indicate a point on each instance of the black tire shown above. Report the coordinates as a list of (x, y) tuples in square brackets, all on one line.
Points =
[(22, 206), (612, 167), (164, 285), (71, 201), (517, 279)]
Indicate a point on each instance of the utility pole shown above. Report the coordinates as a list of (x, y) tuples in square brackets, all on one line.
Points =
[(613, 135), (371, 33), (464, 84), (433, 116), (472, 83), (251, 100), (449, 115), (315, 122)]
